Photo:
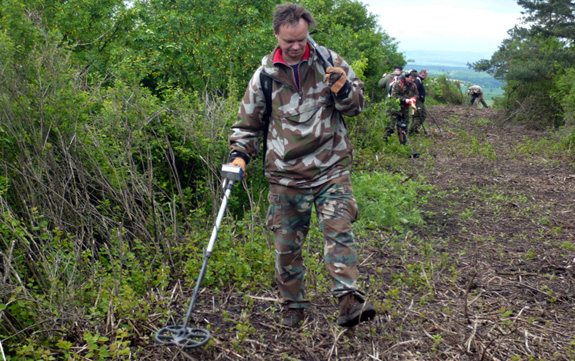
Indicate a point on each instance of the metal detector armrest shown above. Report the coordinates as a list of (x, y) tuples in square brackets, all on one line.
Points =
[(232, 173)]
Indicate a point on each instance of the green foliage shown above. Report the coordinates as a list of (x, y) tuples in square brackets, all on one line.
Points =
[(566, 95), (113, 128), (368, 129), (443, 90), (347, 27), (389, 200), (242, 256), (200, 44), (532, 61)]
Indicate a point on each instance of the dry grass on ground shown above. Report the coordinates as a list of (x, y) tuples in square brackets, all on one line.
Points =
[(489, 277)]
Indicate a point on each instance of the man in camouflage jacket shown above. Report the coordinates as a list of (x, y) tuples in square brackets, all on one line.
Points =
[(405, 91), (307, 162)]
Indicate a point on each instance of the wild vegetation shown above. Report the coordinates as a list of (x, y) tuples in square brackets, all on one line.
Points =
[(114, 118), (536, 64)]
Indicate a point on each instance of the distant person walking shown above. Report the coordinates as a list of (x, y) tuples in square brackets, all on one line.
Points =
[(476, 92), (387, 79), (420, 113)]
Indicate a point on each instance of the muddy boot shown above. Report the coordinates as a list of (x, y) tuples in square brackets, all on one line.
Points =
[(352, 311), (293, 317)]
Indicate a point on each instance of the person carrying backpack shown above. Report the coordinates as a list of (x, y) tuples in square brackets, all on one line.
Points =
[(404, 90), (387, 79), (420, 114), (307, 161)]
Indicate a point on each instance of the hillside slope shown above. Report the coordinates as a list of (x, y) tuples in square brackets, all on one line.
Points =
[(489, 277)]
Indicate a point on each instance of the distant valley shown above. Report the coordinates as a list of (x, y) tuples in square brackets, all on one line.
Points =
[(454, 65)]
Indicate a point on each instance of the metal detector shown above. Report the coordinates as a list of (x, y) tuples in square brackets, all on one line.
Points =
[(403, 139), (182, 335), (437, 125), (419, 116)]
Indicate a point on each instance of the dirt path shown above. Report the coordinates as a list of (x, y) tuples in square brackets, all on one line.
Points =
[(489, 277), (504, 225)]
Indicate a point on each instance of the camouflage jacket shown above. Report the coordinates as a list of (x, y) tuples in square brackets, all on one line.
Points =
[(307, 142), (385, 82), (402, 91)]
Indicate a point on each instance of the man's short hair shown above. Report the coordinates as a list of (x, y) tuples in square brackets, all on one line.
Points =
[(289, 13)]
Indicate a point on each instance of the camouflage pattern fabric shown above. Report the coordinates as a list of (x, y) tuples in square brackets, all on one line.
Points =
[(385, 83), (307, 142), (402, 91), (289, 219)]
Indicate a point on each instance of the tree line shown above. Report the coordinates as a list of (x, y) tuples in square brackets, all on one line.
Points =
[(536, 64), (114, 118)]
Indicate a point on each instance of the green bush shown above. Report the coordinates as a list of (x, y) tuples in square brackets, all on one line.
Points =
[(389, 200), (443, 90)]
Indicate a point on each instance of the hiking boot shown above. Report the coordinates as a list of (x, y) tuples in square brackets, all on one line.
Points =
[(292, 317), (353, 311)]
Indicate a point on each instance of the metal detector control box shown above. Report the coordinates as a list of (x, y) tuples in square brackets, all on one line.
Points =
[(232, 173)]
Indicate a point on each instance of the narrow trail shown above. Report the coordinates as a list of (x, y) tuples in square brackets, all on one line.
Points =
[(490, 276)]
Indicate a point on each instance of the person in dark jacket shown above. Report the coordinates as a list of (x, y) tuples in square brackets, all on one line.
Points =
[(420, 113), (307, 161)]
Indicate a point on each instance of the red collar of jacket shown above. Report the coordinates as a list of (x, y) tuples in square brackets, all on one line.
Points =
[(278, 56)]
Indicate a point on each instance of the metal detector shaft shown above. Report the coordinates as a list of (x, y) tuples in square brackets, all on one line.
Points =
[(315, 46), (210, 247), (413, 120), (182, 335), (437, 125)]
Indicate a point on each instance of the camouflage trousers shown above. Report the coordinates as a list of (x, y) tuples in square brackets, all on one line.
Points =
[(289, 217), (397, 117), (418, 117)]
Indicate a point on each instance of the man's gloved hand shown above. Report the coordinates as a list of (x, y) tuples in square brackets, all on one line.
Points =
[(411, 102), (336, 79), (239, 162)]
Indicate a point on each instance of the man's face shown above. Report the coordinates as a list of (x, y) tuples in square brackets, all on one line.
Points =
[(292, 39), (409, 79)]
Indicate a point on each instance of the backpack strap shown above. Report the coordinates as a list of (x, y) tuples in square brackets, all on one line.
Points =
[(329, 58), (393, 80), (266, 83)]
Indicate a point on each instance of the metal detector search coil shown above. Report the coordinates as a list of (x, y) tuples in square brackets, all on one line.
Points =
[(182, 335)]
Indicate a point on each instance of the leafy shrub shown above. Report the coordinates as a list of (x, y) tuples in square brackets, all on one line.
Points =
[(367, 130), (443, 90), (389, 200), (567, 95)]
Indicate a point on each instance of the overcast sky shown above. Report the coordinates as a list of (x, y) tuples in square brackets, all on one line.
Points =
[(446, 25)]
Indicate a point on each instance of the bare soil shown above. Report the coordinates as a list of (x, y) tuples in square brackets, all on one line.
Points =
[(490, 276)]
